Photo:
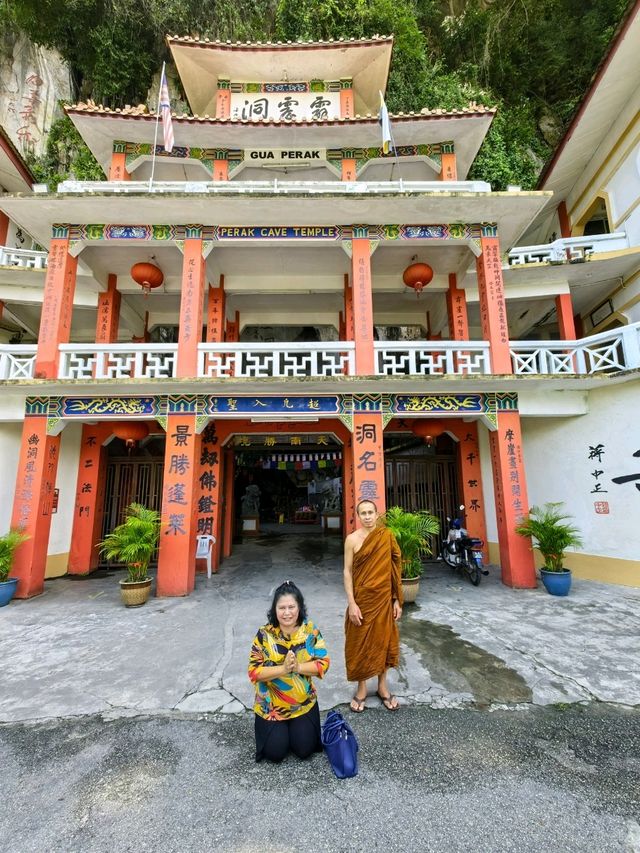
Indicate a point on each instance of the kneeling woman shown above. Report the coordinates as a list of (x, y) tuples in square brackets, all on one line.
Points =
[(285, 654)]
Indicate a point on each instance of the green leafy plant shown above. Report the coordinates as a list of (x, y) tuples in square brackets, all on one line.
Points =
[(134, 541), (551, 532), (8, 544), (413, 531)]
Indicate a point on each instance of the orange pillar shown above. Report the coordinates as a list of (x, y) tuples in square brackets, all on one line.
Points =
[(493, 308), (232, 329), (32, 503), (449, 171), (57, 308), (89, 502), (118, 167), (563, 218), (4, 228), (362, 301), (191, 308), (516, 557), (216, 313), (209, 490), (347, 109), (566, 323), (368, 459), (457, 311), (229, 505), (177, 556), (349, 169), (108, 312), (223, 99), (471, 479), (348, 508), (220, 169)]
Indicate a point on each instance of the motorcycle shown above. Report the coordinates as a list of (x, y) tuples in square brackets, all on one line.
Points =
[(463, 552)]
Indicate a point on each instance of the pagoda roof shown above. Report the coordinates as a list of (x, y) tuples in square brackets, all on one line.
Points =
[(466, 128), (15, 175), (201, 63)]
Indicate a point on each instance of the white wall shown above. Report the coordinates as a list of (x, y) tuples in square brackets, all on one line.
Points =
[(66, 478), (558, 468), (487, 484), (10, 436)]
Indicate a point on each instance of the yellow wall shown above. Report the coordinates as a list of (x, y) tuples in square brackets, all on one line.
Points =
[(589, 567), (56, 565)]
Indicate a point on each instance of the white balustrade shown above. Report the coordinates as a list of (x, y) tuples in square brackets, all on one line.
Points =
[(571, 249), (117, 361), (17, 361), (432, 358), (290, 360), (25, 258), (608, 352)]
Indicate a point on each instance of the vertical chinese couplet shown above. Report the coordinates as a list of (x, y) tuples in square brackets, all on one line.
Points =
[(191, 308), (209, 490), (176, 561), (368, 459), (493, 307), (362, 308), (57, 308), (471, 474), (516, 557), (349, 521), (457, 311), (33, 503), (108, 318), (89, 503)]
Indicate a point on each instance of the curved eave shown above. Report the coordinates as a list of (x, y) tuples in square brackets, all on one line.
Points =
[(466, 129), (201, 64), (15, 175), (512, 211)]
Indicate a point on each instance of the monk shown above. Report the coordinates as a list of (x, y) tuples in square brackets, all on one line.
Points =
[(374, 595)]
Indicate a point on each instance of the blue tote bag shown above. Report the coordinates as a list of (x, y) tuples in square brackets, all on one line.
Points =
[(341, 745)]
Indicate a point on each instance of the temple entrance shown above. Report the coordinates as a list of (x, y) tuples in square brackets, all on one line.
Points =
[(135, 477)]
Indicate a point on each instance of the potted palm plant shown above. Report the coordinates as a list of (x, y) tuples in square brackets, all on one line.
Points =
[(551, 531), (413, 531), (134, 543), (8, 544)]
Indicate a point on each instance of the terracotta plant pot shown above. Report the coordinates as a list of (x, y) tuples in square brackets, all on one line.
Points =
[(410, 587), (135, 593)]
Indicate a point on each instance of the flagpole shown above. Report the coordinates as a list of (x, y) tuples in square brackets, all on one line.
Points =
[(155, 137), (395, 151)]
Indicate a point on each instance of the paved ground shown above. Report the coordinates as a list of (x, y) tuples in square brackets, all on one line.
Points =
[(76, 650), (127, 730)]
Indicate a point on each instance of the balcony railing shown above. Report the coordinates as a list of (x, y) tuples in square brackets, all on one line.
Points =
[(26, 258), (608, 352), (568, 249)]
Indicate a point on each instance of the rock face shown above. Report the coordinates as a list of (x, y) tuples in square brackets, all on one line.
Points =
[(32, 82)]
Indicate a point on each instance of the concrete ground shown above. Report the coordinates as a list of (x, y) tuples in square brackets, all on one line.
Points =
[(76, 650), (127, 729)]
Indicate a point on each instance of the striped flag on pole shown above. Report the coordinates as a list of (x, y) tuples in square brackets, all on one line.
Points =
[(385, 125), (165, 106)]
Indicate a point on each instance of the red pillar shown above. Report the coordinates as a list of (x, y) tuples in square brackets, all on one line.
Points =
[(32, 505), (177, 556), (57, 308), (89, 502), (362, 300), (191, 308), (220, 169), (457, 311), (216, 313), (209, 489), (471, 480), (108, 319), (449, 171), (223, 101), (368, 459), (348, 508), (229, 505), (493, 307), (347, 109), (349, 166), (563, 218), (118, 167), (564, 310), (516, 557), (4, 228)]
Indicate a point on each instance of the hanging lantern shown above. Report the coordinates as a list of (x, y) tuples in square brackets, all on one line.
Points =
[(429, 429), (131, 432), (148, 276), (417, 276)]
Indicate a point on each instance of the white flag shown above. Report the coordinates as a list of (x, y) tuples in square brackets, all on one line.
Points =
[(385, 125), (165, 106)]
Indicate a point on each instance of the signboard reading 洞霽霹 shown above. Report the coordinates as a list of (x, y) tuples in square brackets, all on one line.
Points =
[(267, 156), (289, 106)]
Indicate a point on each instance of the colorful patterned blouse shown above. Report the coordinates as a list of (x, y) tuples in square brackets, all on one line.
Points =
[(289, 695)]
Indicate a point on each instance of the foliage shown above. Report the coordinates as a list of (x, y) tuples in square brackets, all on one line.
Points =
[(551, 533), (8, 544), (412, 531), (134, 541), (66, 156)]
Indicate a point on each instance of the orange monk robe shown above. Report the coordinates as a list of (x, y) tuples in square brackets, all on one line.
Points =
[(374, 646)]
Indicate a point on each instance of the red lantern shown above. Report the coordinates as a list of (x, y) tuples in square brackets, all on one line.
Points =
[(131, 432), (148, 276), (417, 276), (429, 429)]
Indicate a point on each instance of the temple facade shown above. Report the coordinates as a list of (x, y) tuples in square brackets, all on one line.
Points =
[(276, 319)]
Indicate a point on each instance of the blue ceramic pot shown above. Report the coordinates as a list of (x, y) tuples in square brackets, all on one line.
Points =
[(556, 583), (7, 590)]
